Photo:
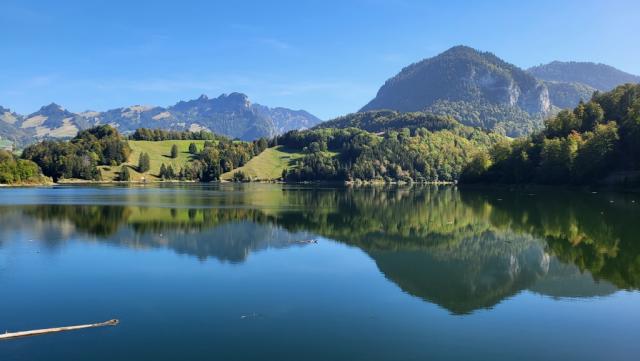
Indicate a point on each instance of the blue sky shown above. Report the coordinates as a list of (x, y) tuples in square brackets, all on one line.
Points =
[(327, 57)]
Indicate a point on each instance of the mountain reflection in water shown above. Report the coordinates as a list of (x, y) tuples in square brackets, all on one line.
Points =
[(461, 249)]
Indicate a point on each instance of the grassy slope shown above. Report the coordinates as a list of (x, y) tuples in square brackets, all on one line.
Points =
[(158, 153), (268, 164)]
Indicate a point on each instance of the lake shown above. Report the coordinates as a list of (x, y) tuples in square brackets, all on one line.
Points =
[(278, 272)]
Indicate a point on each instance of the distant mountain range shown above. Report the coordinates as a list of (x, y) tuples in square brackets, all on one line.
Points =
[(232, 115), (597, 76), (476, 88), (479, 89), (569, 82)]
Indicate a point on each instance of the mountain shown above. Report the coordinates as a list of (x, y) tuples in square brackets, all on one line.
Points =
[(53, 121), (466, 79), (9, 117), (232, 115), (598, 76), (567, 95), (286, 119), (10, 132)]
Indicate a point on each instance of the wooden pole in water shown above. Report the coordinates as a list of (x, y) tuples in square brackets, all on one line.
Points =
[(10, 335)]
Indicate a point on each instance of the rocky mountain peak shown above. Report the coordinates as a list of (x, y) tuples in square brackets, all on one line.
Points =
[(238, 99), (461, 74), (52, 110), (232, 115)]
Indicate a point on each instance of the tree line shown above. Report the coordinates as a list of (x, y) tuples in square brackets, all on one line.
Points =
[(597, 140), (103, 145), (162, 134), (411, 155), (14, 170), (79, 157)]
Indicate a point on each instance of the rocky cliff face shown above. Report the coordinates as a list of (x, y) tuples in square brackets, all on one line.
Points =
[(567, 95), (477, 88)]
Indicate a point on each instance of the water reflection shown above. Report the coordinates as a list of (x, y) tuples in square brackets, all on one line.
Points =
[(463, 250)]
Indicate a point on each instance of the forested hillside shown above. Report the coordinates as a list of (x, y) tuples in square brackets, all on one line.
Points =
[(404, 147), (386, 120), (14, 170), (477, 88), (598, 141)]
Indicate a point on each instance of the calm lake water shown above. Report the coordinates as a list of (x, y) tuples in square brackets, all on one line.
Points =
[(226, 272)]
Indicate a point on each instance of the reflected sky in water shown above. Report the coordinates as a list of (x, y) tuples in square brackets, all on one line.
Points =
[(291, 272)]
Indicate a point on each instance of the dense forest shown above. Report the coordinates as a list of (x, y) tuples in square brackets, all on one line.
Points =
[(377, 121), (14, 170), (598, 141), (500, 118), (423, 148), (79, 157)]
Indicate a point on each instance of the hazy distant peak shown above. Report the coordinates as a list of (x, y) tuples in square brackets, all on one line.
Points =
[(235, 98), (230, 114), (596, 75), (51, 107), (52, 110)]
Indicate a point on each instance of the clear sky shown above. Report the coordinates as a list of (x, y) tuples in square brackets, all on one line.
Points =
[(327, 57)]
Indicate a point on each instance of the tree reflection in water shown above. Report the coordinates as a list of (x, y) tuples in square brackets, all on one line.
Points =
[(461, 249)]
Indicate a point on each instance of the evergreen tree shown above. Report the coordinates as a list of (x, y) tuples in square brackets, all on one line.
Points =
[(193, 149), (125, 174), (144, 163), (167, 172), (163, 171), (174, 151)]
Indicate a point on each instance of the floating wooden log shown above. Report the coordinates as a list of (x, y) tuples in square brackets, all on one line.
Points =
[(10, 335)]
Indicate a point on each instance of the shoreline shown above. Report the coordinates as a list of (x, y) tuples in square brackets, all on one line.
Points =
[(110, 182), (503, 187)]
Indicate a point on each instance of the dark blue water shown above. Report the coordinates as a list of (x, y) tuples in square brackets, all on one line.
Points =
[(229, 273)]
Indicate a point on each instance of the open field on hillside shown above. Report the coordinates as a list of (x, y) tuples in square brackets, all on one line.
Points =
[(159, 152), (268, 165)]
